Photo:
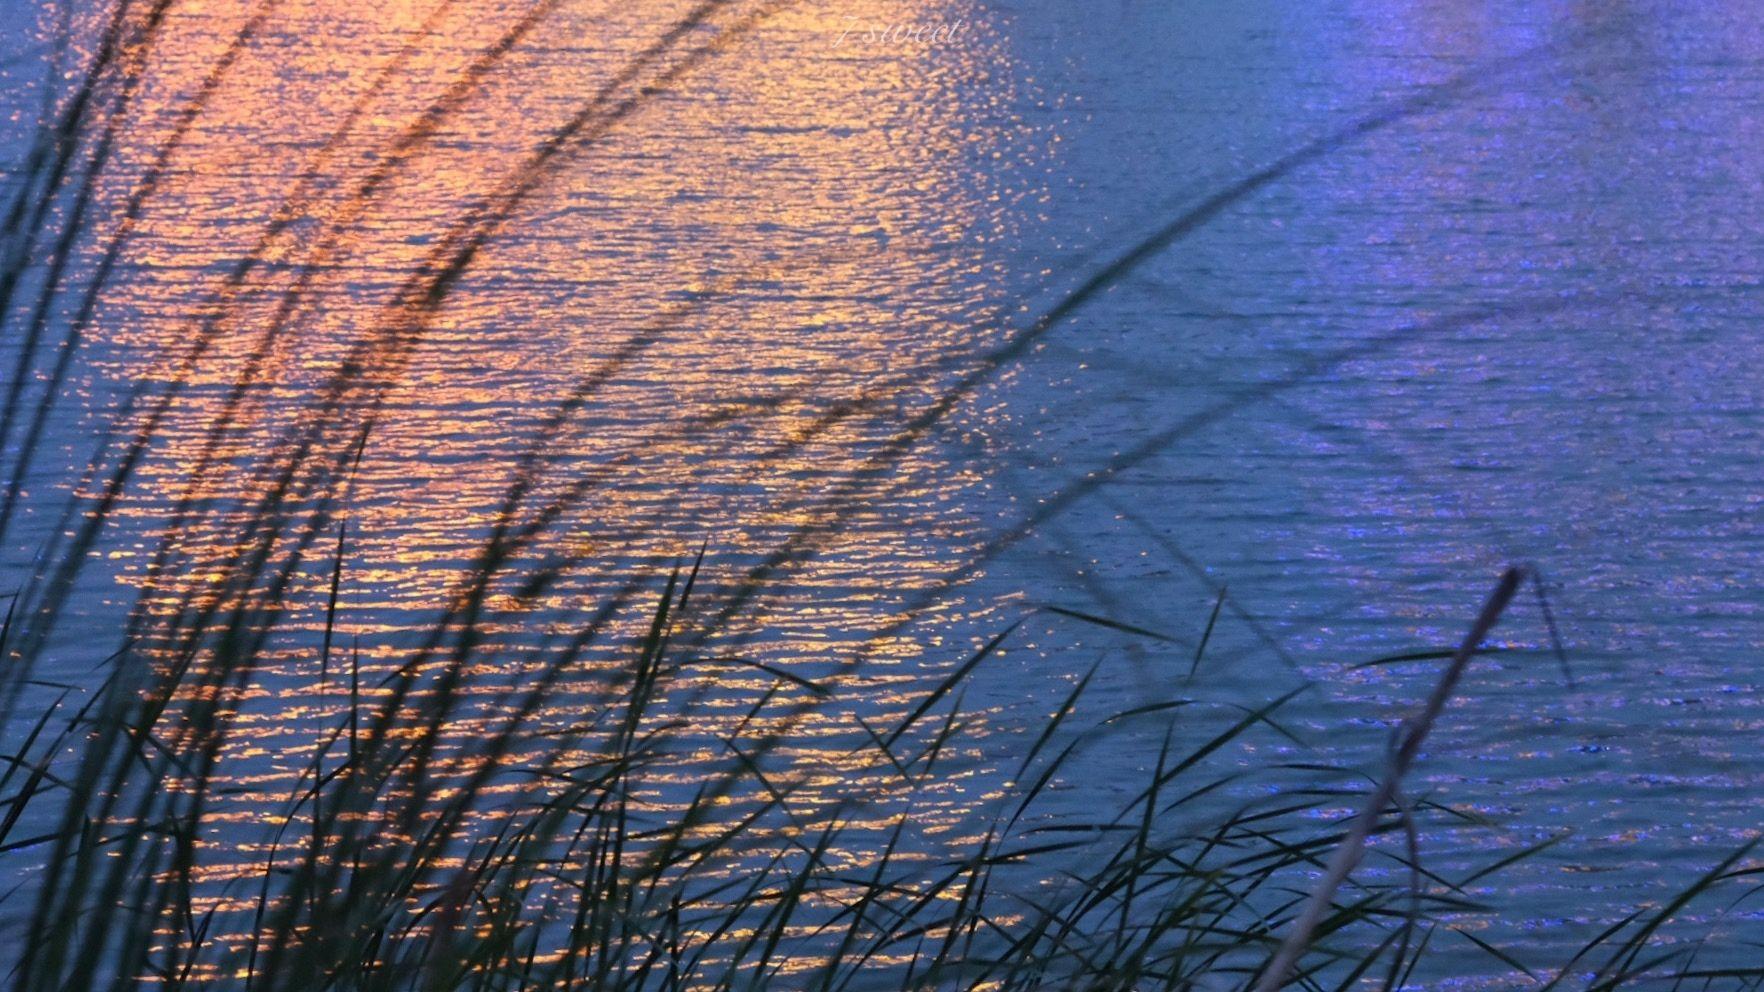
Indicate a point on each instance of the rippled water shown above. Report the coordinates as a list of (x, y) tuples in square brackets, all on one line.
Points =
[(1507, 323)]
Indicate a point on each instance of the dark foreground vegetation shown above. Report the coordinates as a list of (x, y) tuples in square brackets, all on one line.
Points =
[(557, 860)]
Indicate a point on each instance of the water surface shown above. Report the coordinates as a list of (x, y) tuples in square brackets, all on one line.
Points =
[(784, 251)]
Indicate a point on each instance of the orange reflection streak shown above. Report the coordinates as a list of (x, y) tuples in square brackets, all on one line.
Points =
[(761, 272)]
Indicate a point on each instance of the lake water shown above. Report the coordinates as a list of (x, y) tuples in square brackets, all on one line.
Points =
[(1497, 311)]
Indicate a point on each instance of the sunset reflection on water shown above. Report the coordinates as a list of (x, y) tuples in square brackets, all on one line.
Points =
[(738, 278), (632, 282)]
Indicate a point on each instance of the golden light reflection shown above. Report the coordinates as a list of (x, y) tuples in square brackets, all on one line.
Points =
[(742, 278)]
